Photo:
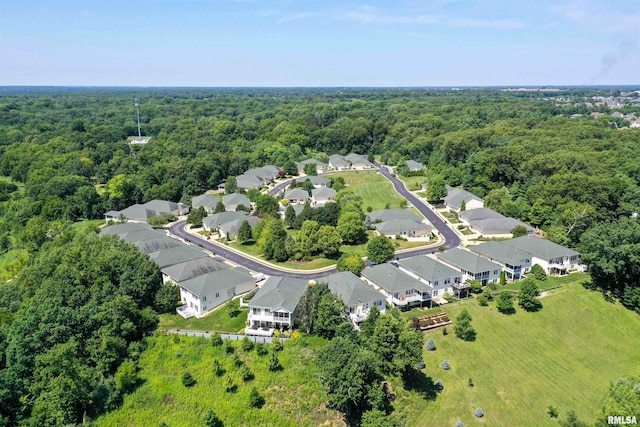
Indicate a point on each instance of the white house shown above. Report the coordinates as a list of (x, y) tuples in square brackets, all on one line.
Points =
[(213, 222), (406, 228), (456, 196), (439, 276), (207, 201), (317, 181), (320, 166), (202, 294), (338, 162), (515, 262), (320, 196), (275, 305), (399, 288), (553, 258), (233, 200), (189, 269), (357, 295), (297, 195), (472, 266), (359, 161)]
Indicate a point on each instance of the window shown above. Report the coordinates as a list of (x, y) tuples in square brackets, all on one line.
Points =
[(435, 283), (447, 281), (496, 272), (217, 294), (204, 298), (435, 293), (256, 311)]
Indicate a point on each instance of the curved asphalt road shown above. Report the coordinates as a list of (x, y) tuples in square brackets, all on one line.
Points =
[(451, 239)]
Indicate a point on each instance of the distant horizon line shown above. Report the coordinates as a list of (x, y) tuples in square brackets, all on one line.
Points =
[(527, 86)]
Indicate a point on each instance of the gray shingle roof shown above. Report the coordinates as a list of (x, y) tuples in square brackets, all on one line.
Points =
[(318, 163), (142, 235), (323, 193), (235, 199), (414, 166), (541, 248), (316, 180), (502, 253), (280, 293), (206, 200), (178, 254), (428, 268), (232, 227), (216, 220), (249, 181), (154, 245), (351, 289), (391, 214), (217, 281), (479, 214), (193, 268), (455, 196), (397, 226), (120, 229), (498, 225), (358, 159), (135, 212), (392, 279), (164, 207), (296, 194), (338, 161), (468, 261)]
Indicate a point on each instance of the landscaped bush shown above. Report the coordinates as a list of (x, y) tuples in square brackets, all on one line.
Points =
[(439, 386), (552, 411), (444, 330), (246, 344), (228, 384), (420, 364), (470, 382), (237, 362), (483, 301), (445, 365), (228, 347), (212, 420), (188, 380), (261, 349), (255, 400), (274, 362), (431, 345), (459, 424), (478, 413), (245, 373), (276, 344), (217, 369)]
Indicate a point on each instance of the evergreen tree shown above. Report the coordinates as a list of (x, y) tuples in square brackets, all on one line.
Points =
[(245, 233), (219, 207), (504, 302), (290, 216), (527, 297), (463, 328)]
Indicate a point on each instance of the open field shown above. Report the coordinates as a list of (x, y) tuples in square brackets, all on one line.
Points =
[(218, 320), (413, 182), (87, 224), (565, 355), (293, 396), (374, 189)]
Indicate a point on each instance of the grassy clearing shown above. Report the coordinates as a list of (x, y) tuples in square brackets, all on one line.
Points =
[(565, 355), (218, 321), (413, 183), (255, 251), (374, 189), (11, 262), (293, 396), (88, 224)]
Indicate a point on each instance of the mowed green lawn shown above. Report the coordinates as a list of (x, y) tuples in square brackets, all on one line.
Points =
[(218, 320), (374, 189), (293, 396), (565, 355)]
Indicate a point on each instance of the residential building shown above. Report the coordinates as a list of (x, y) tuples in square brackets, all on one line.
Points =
[(357, 295), (442, 278), (213, 222), (553, 258), (165, 207), (471, 265), (414, 166), (275, 304), (399, 288), (487, 222), (317, 181), (166, 257), (247, 182), (406, 228), (142, 213), (514, 262), (456, 196), (207, 201), (320, 166), (320, 196), (203, 293), (359, 161), (391, 214), (158, 244), (192, 268), (268, 173), (230, 229), (127, 227), (297, 195), (233, 200), (338, 162)]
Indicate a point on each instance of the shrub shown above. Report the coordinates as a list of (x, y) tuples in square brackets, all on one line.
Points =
[(228, 384), (255, 400), (445, 365), (470, 382), (237, 362), (276, 344), (552, 411), (216, 339), (538, 272), (431, 345), (483, 301), (212, 420), (420, 364), (228, 347), (274, 362), (261, 349), (188, 380), (478, 413), (444, 331), (245, 373), (246, 344), (217, 369), (439, 386), (459, 424)]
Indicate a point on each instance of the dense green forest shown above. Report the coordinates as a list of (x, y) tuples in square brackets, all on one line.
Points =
[(64, 157)]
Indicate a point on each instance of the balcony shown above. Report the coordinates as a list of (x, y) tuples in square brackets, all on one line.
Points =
[(186, 311), (407, 299)]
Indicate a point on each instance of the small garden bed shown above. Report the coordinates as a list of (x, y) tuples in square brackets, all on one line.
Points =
[(432, 321)]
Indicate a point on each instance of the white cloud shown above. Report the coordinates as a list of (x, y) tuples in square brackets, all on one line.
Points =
[(301, 15)]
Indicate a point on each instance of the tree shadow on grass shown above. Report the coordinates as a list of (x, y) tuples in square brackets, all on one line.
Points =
[(418, 381)]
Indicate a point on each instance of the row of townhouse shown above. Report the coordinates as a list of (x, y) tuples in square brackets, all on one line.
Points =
[(143, 212), (230, 201), (318, 196), (400, 222), (227, 224), (205, 281)]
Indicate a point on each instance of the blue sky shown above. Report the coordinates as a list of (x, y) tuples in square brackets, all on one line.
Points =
[(319, 43)]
